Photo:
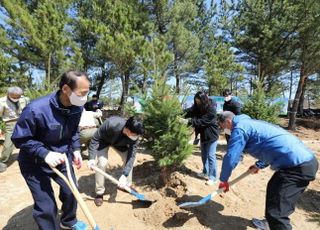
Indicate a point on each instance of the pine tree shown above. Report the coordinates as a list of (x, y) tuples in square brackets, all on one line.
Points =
[(258, 107), (12, 72), (175, 22), (262, 32), (308, 43), (169, 137), (39, 35)]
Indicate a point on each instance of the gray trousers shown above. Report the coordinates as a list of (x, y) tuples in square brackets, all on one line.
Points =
[(102, 163), (7, 145)]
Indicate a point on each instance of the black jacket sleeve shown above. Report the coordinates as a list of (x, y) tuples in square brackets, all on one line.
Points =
[(97, 138), (189, 112), (132, 151), (205, 120)]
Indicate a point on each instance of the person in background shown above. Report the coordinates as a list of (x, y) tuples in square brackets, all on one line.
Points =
[(10, 109), (232, 105), (196, 133), (47, 128), (89, 123), (122, 135), (294, 164), (203, 118), (94, 104)]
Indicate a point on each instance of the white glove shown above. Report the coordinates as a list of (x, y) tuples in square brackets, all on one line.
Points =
[(183, 120), (91, 163), (227, 131), (54, 158), (98, 113), (123, 181), (77, 159)]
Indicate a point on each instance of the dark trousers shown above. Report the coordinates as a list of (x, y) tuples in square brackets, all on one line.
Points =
[(45, 207), (227, 136), (284, 190)]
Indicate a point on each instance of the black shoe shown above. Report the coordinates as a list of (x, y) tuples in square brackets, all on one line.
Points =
[(98, 201), (196, 141)]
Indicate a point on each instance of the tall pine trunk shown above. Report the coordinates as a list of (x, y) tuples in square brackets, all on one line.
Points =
[(295, 104), (144, 84), (177, 75), (301, 100), (125, 91), (48, 69), (101, 82)]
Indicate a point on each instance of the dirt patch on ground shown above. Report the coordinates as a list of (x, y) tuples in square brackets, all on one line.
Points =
[(122, 211)]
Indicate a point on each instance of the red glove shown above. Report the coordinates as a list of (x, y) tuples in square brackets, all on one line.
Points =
[(253, 169), (224, 186)]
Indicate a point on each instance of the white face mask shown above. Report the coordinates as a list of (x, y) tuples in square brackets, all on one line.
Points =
[(13, 99), (227, 131), (228, 98), (76, 100), (134, 138)]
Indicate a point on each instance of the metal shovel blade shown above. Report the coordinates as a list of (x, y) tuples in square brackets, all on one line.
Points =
[(210, 196), (128, 189), (195, 204)]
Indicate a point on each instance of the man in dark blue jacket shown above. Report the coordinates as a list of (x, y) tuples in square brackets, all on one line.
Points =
[(47, 128), (295, 165), (230, 104), (94, 104)]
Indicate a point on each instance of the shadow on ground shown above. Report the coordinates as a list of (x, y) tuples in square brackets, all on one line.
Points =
[(87, 184), (208, 215), (310, 202), (22, 220)]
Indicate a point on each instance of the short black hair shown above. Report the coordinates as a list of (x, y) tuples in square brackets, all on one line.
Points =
[(94, 95), (226, 92), (70, 78), (135, 125)]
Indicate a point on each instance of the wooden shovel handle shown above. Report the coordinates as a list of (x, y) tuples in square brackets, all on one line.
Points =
[(112, 179), (75, 192)]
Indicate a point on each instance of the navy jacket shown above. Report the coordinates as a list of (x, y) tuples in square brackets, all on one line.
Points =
[(110, 134), (232, 106), (269, 143), (45, 125)]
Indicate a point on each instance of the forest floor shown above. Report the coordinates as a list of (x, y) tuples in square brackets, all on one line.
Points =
[(121, 211)]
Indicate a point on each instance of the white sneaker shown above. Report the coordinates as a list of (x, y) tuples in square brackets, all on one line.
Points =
[(211, 182), (261, 224), (202, 175)]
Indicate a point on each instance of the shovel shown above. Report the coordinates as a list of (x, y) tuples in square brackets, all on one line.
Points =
[(133, 192), (210, 196), (69, 181)]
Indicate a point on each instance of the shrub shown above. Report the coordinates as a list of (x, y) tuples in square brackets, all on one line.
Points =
[(258, 107)]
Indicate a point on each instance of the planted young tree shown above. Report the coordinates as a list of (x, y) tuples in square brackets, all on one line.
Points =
[(170, 138)]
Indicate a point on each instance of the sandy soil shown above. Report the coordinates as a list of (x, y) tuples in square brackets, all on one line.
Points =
[(121, 211)]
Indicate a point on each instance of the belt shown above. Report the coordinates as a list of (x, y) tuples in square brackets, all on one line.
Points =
[(87, 127)]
